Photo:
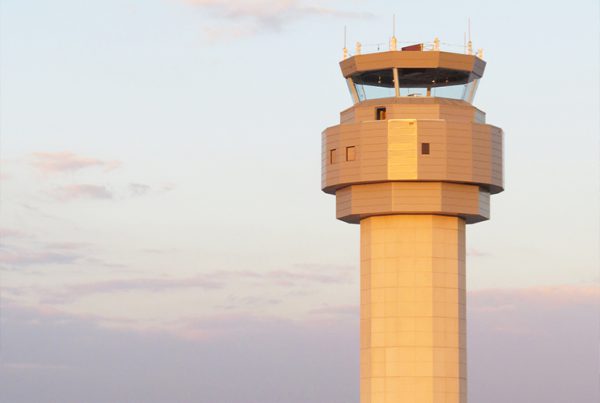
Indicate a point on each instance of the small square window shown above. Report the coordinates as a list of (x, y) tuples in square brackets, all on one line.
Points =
[(332, 156), (424, 148), (350, 153), (380, 113)]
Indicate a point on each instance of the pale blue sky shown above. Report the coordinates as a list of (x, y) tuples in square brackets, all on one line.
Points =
[(160, 159)]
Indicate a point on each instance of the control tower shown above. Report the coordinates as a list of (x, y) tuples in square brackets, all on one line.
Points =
[(412, 161)]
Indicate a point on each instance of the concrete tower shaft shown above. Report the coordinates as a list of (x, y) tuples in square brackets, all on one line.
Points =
[(412, 161)]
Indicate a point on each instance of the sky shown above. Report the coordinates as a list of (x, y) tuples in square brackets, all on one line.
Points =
[(163, 236)]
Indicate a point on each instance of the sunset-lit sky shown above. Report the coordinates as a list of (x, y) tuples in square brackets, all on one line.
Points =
[(163, 236)]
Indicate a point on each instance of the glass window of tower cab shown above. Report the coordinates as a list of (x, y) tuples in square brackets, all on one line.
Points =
[(414, 82)]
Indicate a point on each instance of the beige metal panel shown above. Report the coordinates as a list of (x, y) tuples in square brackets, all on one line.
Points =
[(413, 315), (463, 152), (402, 150), (348, 116), (428, 59), (357, 202), (370, 142), (498, 156)]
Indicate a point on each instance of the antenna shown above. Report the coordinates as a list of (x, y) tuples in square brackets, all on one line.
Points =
[(469, 27), (345, 50), (469, 44), (393, 41)]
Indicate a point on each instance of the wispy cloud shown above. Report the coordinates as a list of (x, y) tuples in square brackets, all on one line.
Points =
[(337, 311), (290, 278), (143, 284), (21, 258), (11, 233), (67, 245), (65, 161), (474, 252), (545, 295), (284, 279), (81, 191), (142, 189), (248, 17), (547, 336), (275, 353), (552, 359), (139, 189), (75, 292), (37, 253)]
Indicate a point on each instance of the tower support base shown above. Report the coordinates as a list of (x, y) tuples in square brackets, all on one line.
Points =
[(413, 309)]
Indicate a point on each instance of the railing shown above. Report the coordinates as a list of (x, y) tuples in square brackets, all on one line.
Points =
[(436, 45)]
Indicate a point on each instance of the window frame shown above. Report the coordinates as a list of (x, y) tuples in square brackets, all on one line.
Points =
[(351, 152)]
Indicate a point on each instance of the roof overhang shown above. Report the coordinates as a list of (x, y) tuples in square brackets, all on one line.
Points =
[(412, 59)]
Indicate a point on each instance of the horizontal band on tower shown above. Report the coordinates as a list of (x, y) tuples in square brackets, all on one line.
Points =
[(414, 108), (356, 202), (412, 150)]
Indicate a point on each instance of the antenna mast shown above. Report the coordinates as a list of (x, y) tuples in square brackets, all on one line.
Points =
[(345, 50), (469, 44), (393, 41)]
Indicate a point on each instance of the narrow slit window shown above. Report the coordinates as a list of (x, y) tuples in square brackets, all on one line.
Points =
[(380, 113), (332, 156), (425, 148), (350, 153)]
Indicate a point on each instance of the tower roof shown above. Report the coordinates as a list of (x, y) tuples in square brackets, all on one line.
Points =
[(415, 68)]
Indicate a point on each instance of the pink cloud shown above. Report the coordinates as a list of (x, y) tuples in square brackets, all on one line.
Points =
[(207, 281), (535, 344), (82, 191), (544, 295), (272, 11), (67, 245), (11, 233), (477, 253), (253, 16), (65, 161), (146, 284), (552, 356), (337, 311), (292, 278)]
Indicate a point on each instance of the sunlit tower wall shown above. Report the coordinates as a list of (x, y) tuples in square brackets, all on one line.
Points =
[(412, 162)]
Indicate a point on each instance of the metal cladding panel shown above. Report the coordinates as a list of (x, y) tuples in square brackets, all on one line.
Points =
[(390, 150), (370, 145), (413, 309), (402, 150)]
